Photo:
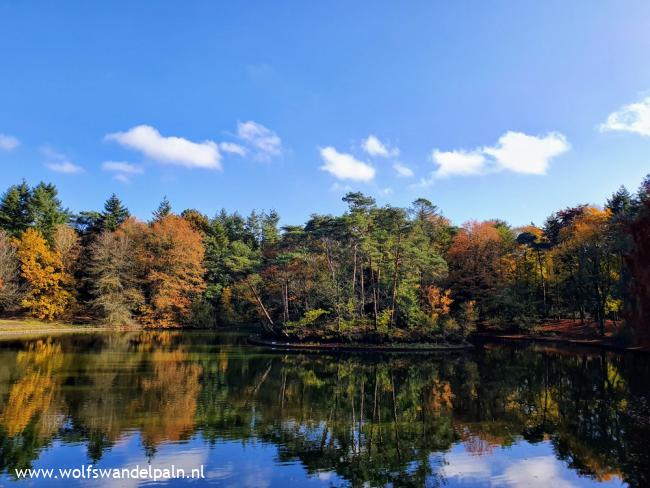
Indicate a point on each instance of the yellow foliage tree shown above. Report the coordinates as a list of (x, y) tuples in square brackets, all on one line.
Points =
[(439, 302), (586, 259), (44, 274)]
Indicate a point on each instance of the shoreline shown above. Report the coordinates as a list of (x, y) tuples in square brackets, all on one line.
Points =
[(14, 328), (356, 347), (595, 343)]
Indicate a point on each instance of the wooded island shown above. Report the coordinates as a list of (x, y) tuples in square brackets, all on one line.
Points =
[(374, 274)]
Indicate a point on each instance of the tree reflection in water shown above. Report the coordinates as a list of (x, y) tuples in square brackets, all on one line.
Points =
[(371, 419)]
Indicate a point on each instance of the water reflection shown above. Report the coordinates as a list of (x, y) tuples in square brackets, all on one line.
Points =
[(501, 416)]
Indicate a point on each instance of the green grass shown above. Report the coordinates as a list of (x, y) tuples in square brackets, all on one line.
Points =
[(17, 326)]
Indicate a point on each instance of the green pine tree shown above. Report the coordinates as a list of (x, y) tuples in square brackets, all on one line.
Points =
[(46, 209), (163, 210), (114, 214), (15, 210)]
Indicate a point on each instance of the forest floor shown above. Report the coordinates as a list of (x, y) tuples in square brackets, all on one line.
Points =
[(573, 329), (569, 331)]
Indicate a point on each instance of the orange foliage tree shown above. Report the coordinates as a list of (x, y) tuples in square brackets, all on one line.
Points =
[(438, 301), (42, 269), (173, 259), (475, 258)]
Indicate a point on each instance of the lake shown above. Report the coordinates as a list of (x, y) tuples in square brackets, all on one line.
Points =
[(499, 416)]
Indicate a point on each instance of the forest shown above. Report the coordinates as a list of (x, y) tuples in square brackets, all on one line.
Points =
[(374, 273)]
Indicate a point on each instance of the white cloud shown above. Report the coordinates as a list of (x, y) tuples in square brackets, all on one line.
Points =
[(122, 167), (7, 143), (124, 178), (345, 166), (65, 167), (403, 171), (500, 469), (424, 182), (541, 471), (232, 148), (186, 459), (634, 117), (171, 150), (122, 170), (466, 466), (264, 140), (374, 147), (55, 161), (458, 162), (386, 191), (521, 153), (514, 151)]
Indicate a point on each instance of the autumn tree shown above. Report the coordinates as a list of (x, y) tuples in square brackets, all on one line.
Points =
[(585, 257), (438, 301), (65, 241), (42, 269), (173, 261), (116, 280), (198, 221), (475, 265)]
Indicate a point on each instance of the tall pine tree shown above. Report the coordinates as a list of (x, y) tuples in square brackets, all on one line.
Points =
[(15, 209), (46, 209), (163, 210), (114, 214)]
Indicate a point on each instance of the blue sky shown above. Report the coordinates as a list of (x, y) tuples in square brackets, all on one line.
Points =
[(508, 109)]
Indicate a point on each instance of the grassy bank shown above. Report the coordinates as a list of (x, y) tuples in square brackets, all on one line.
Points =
[(19, 327)]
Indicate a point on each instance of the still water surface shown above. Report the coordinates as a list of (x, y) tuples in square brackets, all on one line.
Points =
[(500, 416)]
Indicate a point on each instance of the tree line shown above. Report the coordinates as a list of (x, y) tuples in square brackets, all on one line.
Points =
[(373, 273)]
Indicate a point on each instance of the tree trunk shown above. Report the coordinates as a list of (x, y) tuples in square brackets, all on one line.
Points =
[(363, 291), (285, 299), (395, 277), (374, 291), (541, 274), (354, 270), (270, 326), (330, 263)]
